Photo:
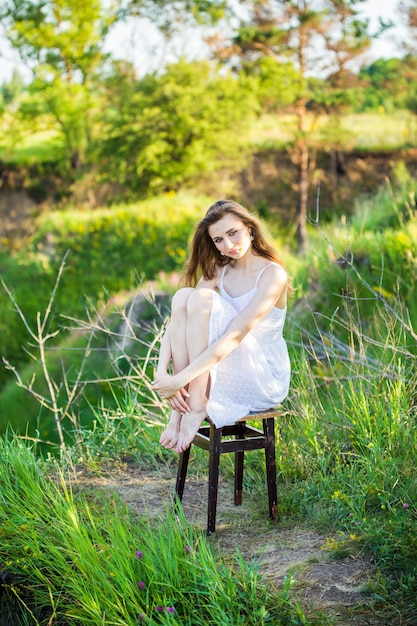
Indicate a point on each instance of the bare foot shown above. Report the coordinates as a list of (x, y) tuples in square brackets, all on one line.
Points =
[(190, 423), (169, 437)]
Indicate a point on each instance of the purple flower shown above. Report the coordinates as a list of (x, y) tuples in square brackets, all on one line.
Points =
[(160, 609), (405, 505), (170, 609), (139, 554), (187, 549), (141, 584), (141, 617)]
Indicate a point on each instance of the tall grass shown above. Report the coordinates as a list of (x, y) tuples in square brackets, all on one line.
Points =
[(69, 556), (346, 462)]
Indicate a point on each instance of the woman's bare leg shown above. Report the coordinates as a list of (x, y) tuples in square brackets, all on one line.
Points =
[(199, 309), (178, 340)]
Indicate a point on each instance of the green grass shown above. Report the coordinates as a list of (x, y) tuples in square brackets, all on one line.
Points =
[(109, 250), (346, 455), (346, 464), (374, 131), (83, 557), (33, 148), (365, 131), (362, 131)]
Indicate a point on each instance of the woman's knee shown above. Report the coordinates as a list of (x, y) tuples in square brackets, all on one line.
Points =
[(200, 301), (180, 299)]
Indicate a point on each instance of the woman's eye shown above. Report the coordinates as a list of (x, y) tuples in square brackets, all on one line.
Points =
[(232, 232)]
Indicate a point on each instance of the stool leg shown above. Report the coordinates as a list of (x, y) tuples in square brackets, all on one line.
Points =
[(239, 460), (213, 478), (182, 472), (271, 467)]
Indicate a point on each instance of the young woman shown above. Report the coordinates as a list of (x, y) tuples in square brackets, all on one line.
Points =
[(224, 338)]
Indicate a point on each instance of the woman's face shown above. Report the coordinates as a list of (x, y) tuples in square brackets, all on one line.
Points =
[(230, 236)]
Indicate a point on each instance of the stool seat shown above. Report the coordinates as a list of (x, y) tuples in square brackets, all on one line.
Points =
[(244, 438)]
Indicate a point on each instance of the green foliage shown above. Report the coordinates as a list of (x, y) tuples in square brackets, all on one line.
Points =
[(12, 88), (380, 245), (66, 40), (110, 250), (346, 452), (276, 83), (65, 37), (175, 129), (349, 447), (71, 107), (82, 555), (389, 84)]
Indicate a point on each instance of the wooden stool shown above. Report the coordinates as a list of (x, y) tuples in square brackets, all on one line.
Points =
[(245, 438)]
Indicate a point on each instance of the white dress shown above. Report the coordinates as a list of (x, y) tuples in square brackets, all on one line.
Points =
[(256, 375)]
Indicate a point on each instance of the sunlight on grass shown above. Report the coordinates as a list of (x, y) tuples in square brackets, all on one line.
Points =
[(84, 556), (39, 147), (346, 445), (366, 131), (373, 131)]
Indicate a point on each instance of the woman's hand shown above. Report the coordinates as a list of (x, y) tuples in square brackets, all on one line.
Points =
[(168, 388)]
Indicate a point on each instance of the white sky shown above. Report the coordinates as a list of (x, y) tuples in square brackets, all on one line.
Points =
[(133, 43)]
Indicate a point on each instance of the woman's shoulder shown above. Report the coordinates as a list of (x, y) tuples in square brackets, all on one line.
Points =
[(274, 270)]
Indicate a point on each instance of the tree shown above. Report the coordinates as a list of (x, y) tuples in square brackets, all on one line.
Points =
[(169, 131), (12, 89), (409, 8), (62, 41), (389, 83), (320, 37)]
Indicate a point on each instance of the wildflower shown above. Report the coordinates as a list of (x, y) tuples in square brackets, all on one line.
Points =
[(170, 609), (141, 617), (160, 609), (187, 549), (405, 505), (139, 554), (141, 584)]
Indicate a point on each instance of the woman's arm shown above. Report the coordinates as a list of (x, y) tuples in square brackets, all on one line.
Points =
[(271, 286), (165, 353)]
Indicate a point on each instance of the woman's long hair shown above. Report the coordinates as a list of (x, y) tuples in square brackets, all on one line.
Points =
[(204, 256)]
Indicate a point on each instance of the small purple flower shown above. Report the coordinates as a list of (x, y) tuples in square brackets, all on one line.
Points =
[(358, 523), (139, 554), (160, 609), (187, 549), (141, 617), (141, 584), (405, 505), (170, 609), (350, 514)]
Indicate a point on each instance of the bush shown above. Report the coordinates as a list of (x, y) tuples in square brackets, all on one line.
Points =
[(110, 250)]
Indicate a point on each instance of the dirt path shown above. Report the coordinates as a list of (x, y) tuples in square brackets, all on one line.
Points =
[(336, 587)]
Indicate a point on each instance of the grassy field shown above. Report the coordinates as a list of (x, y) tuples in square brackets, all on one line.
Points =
[(367, 131), (346, 468), (71, 552)]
